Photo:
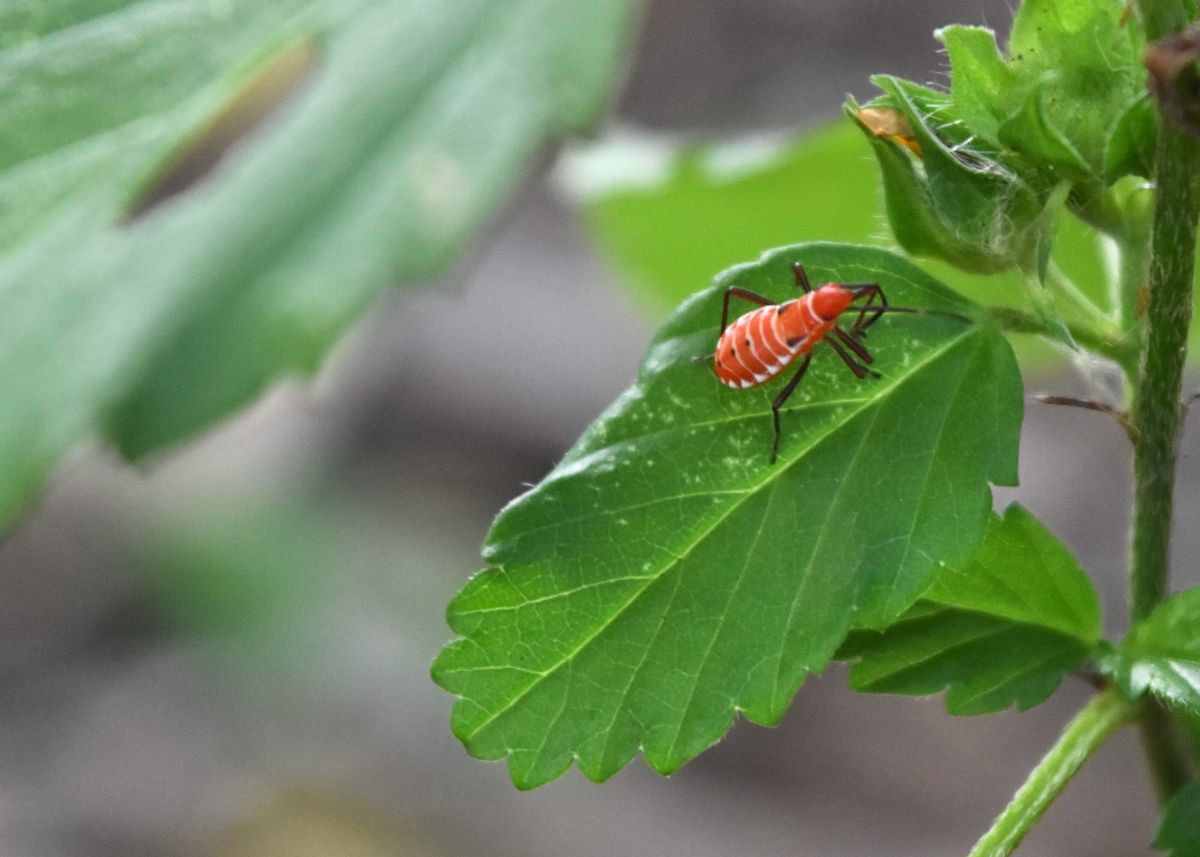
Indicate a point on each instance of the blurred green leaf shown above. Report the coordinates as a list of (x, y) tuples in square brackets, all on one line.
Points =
[(692, 214), (1000, 629), (666, 575), (1161, 654), (242, 571), (401, 125), (1179, 832)]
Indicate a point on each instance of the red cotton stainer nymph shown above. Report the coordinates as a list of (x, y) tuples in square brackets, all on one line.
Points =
[(765, 341)]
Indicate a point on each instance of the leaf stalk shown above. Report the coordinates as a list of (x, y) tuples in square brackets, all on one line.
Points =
[(1108, 342), (1090, 728)]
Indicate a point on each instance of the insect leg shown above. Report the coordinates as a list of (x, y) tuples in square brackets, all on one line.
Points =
[(783, 397), (854, 345), (744, 294), (801, 277), (860, 371), (873, 291)]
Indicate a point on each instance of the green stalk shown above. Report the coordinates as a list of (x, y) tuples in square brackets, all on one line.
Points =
[(1103, 342), (1091, 727), (1058, 280), (1156, 409)]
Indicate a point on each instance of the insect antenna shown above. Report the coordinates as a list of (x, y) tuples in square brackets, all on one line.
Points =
[(919, 311)]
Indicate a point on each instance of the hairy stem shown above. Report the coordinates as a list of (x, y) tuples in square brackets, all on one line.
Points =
[(1091, 727), (1156, 409)]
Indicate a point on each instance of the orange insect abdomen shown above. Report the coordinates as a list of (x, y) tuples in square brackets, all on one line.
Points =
[(765, 341)]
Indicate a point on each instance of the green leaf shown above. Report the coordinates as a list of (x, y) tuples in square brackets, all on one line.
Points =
[(1161, 654), (1090, 64), (1001, 629), (980, 77), (1031, 131), (665, 575), (1179, 832), (1071, 70), (407, 123)]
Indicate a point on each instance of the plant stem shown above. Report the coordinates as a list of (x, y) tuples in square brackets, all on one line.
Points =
[(1083, 735), (1156, 411)]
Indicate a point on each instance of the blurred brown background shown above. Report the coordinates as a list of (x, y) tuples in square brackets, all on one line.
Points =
[(226, 652)]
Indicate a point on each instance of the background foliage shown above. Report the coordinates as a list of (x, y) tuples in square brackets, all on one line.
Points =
[(399, 127)]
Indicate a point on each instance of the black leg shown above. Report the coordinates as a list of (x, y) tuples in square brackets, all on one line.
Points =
[(860, 371), (873, 291), (854, 345), (801, 277), (783, 397), (744, 294)]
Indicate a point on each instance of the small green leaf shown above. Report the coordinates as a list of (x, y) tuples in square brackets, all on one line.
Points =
[(1070, 72), (980, 78), (1161, 654), (1030, 131), (666, 575), (1002, 628), (1179, 832), (407, 123)]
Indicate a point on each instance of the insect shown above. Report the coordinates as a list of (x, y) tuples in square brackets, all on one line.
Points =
[(765, 341)]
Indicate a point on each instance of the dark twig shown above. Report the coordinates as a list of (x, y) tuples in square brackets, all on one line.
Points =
[(1091, 405)]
